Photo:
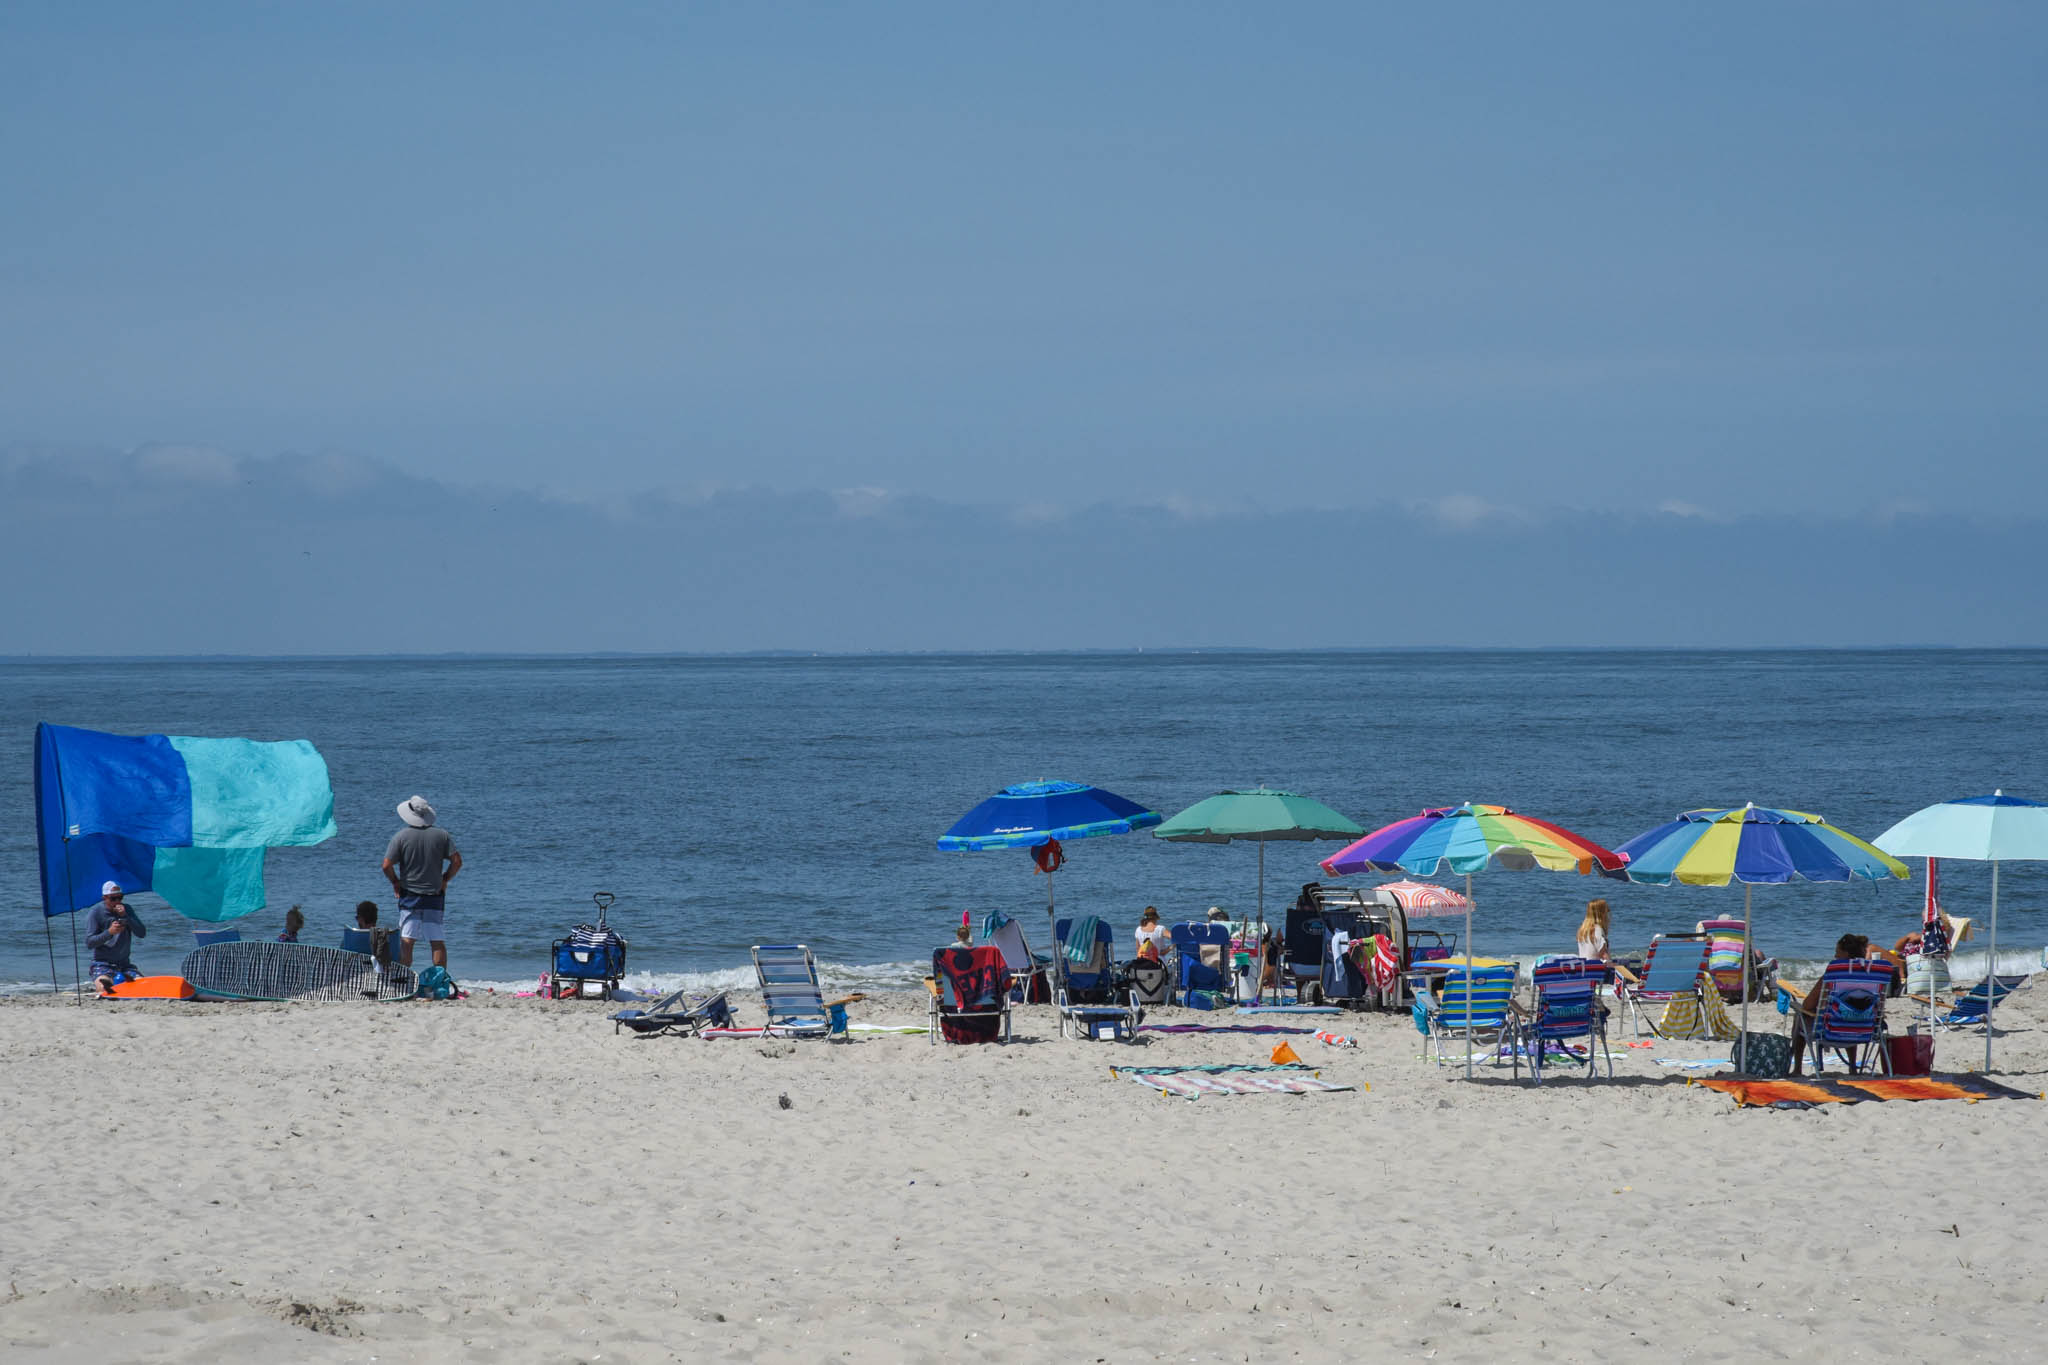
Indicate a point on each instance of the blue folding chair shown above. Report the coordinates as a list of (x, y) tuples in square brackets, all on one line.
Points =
[(1567, 1006), (1974, 1005), (355, 940), (203, 937), (789, 990), (1849, 1020), (1090, 1003), (1671, 970), (1193, 970), (1484, 1001)]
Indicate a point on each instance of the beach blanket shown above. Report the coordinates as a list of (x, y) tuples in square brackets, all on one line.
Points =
[(1288, 1009), (757, 1032), (1855, 1089), (1220, 1028), (1193, 1082), (1694, 1063)]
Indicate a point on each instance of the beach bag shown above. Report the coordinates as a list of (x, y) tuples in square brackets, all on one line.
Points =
[(1769, 1055), (435, 984)]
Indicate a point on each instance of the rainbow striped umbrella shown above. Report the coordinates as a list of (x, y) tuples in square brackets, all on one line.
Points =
[(1752, 844), (1466, 839)]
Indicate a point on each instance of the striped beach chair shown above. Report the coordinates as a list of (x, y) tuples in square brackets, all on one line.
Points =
[(1671, 971), (1483, 1000), (789, 991), (1567, 1005), (1849, 1020), (1973, 1006)]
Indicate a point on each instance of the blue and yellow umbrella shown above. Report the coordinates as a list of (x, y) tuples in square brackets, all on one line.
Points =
[(1751, 844)]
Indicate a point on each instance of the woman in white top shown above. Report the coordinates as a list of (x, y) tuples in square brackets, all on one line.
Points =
[(1152, 935), (1593, 931)]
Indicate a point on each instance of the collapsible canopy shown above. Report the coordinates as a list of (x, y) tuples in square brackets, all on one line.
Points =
[(189, 819)]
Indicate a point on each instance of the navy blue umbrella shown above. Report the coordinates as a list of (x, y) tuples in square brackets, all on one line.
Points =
[(1038, 816)]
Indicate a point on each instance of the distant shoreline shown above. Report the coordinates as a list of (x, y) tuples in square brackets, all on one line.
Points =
[(1167, 651)]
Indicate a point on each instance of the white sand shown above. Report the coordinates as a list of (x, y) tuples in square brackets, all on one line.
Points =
[(504, 1179)]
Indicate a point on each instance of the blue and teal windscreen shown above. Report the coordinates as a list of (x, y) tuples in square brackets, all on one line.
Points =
[(189, 819)]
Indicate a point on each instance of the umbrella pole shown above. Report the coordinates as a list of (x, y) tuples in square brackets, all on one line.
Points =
[(1991, 968), (1259, 948), (1742, 1041), (1468, 976), (1059, 956)]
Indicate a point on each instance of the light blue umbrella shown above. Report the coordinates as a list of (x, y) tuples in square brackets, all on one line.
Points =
[(1984, 829)]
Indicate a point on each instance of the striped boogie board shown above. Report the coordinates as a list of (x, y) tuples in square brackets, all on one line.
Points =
[(292, 971)]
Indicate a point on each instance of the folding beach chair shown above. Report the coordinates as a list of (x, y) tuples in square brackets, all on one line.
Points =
[(1567, 1005), (1201, 958), (1484, 999), (1090, 976), (1724, 961), (676, 1013), (1973, 1005), (1028, 971), (970, 995), (789, 990), (1090, 1002), (203, 937), (1849, 1021), (1671, 971)]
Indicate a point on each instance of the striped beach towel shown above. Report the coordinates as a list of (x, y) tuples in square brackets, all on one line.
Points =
[(1192, 1083)]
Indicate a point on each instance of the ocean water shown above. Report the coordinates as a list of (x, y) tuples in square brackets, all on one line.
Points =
[(731, 801)]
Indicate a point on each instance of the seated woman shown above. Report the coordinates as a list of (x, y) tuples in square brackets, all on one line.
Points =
[(1848, 948), (1593, 931)]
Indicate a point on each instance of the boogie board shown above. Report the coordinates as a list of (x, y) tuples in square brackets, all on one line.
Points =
[(293, 971), (152, 988)]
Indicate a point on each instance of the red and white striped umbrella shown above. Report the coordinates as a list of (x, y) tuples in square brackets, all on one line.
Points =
[(1423, 899)]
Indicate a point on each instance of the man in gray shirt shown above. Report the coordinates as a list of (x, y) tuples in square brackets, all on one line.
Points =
[(419, 863), (111, 929)]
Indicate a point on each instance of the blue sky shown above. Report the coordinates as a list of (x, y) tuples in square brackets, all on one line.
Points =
[(1725, 261)]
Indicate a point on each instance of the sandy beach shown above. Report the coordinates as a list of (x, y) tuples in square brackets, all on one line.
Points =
[(503, 1179)]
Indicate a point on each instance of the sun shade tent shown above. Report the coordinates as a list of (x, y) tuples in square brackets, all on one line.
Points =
[(1984, 829), (1752, 844), (189, 819), (1466, 839), (1041, 815)]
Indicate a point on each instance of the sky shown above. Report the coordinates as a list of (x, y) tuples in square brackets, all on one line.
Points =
[(1468, 281)]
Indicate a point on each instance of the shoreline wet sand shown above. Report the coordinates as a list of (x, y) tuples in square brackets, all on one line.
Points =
[(502, 1179)]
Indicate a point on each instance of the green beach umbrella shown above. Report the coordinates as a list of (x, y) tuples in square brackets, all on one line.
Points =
[(1260, 815)]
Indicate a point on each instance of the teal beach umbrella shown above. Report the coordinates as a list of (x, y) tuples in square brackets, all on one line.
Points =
[(1260, 815)]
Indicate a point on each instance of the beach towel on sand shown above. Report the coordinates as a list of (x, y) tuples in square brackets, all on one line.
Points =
[(1193, 1082), (1701, 1016)]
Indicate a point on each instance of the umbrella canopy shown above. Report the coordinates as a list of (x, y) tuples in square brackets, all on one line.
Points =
[(1423, 899), (1752, 844), (1467, 839), (1260, 814), (1985, 829), (1029, 813)]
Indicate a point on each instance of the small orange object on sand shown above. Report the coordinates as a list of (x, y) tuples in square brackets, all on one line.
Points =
[(1283, 1055), (151, 988)]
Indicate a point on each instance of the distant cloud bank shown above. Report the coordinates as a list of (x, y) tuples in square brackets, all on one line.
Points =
[(187, 550)]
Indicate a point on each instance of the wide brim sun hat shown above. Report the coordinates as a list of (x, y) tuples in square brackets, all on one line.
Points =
[(415, 811)]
